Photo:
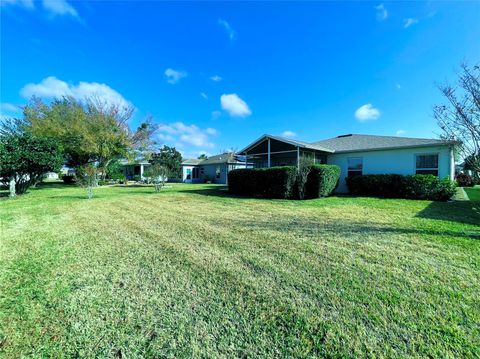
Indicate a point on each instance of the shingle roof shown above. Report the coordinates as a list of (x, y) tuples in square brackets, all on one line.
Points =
[(228, 157), (191, 161), (354, 142)]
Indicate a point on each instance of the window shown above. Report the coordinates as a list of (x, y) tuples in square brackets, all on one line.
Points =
[(355, 166), (217, 172), (195, 173), (426, 164)]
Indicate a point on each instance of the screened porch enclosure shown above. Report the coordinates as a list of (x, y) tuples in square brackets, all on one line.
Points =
[(270, 152)]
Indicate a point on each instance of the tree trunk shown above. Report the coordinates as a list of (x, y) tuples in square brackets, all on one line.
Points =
[(12, 187)]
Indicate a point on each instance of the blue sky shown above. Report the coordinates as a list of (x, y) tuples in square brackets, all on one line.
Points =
[(218, 75)]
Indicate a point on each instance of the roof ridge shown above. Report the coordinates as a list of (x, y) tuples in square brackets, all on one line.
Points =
[(385, 136)]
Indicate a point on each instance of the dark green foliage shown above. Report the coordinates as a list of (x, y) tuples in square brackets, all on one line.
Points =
[(397, 186), (68, 179), (382, 185), (322, 180), (169, 158), (280, 182), (275, 182), (114, 171), (464, 180), (27, 158)]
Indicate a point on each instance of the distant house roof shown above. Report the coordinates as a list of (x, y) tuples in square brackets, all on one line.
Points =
[(354, 142), (126, 162), (192, 162), (228, 157)]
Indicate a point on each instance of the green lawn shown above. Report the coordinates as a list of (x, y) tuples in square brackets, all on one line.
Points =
[(473, 193), (191, 272)]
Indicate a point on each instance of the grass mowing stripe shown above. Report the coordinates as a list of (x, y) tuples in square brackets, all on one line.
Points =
[(183, 274)]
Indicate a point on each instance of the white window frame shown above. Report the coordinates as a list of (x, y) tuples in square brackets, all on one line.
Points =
[(415, 168), (348, 166)]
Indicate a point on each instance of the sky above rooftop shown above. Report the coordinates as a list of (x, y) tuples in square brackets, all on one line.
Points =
[(218, 75)]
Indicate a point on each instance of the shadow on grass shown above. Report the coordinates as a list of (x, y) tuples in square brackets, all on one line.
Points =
[(455, 211), (213, 190), (353, 230)]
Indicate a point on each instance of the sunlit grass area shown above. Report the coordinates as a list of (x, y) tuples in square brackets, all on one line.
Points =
[(192, 272)]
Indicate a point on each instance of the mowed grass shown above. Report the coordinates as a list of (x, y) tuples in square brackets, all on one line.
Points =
[(473, 193), (191, 272)]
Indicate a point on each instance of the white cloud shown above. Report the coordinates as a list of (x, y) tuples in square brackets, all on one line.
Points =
[(173, 76), (54, 7), (216, 78), (382, 13), (234, 105), (59, 7), (216, 114), (51, 87), (400, 132), (165, 138), (186, 134), (204, 95), (288, 133), (228, 29), (409, 22), (211, 131), (8, 107), (367, 113), (25, 3)]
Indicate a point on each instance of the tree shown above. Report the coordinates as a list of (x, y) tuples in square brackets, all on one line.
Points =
[(158, 174), (459, 118), (203, 156), (87, 177), (170, 158), (24, 160), (304, 166), (114, 171), (91, 131)]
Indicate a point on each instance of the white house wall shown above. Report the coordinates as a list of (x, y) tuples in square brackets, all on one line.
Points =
[(398, 161)]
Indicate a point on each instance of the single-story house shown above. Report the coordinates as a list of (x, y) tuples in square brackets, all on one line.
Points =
[(134, 169), (214, 169), (358, 154)]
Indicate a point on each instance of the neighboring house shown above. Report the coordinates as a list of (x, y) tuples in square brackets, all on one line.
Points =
[(358, 154), (134, 169), (214, 169)]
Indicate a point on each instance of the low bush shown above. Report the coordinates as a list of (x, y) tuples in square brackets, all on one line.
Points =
[(279, 182), (275, 182), (382, 185), (397, 186), (68, 179), (322, 180), (464, 180)]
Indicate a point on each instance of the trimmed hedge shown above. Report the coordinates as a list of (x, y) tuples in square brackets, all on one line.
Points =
[(280, 182), (274, 182), (322, 180), (397, 186)]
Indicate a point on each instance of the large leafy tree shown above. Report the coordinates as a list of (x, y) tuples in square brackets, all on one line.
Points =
[(91, 132), (169, 158), (24, 159), (459, 117)]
